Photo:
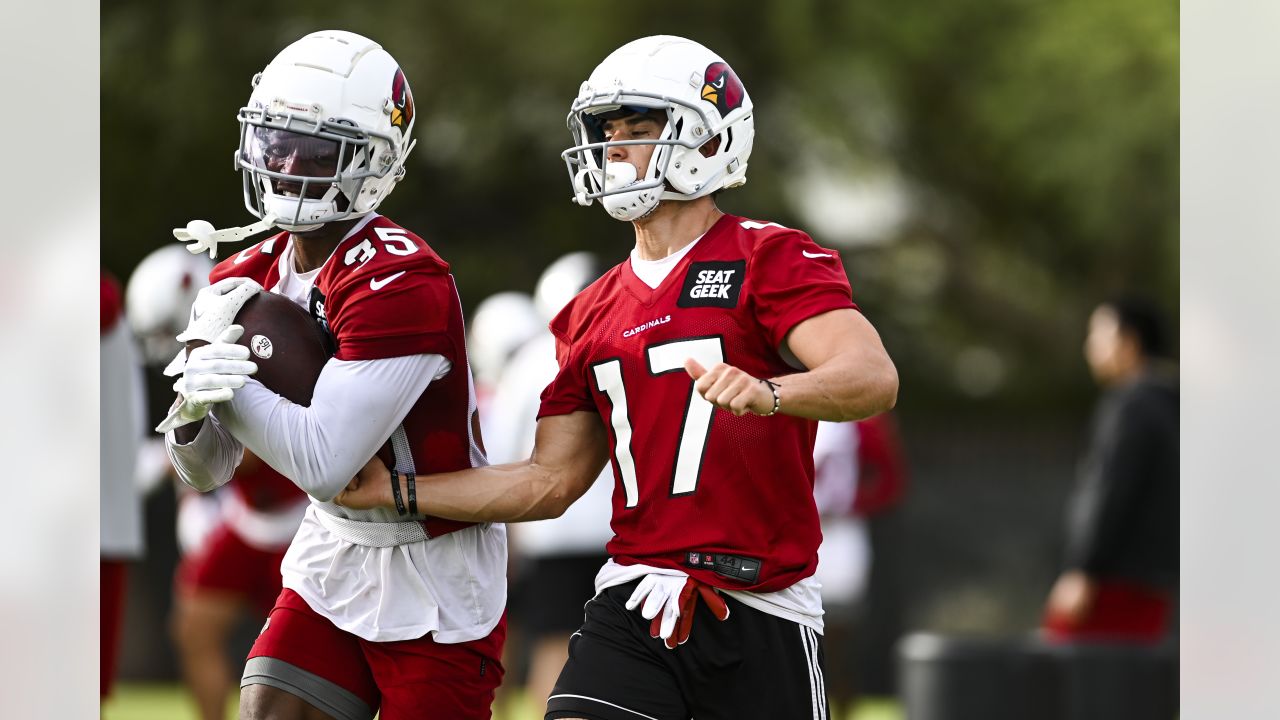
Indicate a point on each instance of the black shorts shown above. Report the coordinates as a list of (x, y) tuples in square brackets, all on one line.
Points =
[(553, 590), (752, 665)]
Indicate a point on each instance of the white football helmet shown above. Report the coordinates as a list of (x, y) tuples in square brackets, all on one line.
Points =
[(563, 279), (158, 299), (702, 97), (326, 132), (500, 324)]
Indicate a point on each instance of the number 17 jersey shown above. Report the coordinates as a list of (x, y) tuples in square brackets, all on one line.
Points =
[(727, 499)]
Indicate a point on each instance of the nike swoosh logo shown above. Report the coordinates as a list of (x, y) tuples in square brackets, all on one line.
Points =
[(808, 254), (376, 284)]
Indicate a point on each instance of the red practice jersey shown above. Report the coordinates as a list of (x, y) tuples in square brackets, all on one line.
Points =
[(262, 488), (882, 466), (385, 293), (693, 481), (110, 305)]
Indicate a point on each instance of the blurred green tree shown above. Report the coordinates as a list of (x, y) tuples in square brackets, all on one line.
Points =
[(990, 168)]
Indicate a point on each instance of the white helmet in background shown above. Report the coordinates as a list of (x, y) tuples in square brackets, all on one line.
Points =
[(702, 98), (326, 131), (563, 279), (500, 324), (158, 299)]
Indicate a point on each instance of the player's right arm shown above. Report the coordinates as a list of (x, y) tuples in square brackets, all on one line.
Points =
[(569, 452), (203, 452), (208, 459)]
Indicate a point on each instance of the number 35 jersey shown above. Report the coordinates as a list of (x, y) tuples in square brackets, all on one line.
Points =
[(727, 499)]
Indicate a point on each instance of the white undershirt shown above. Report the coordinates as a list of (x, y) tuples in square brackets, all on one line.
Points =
[(653, 272), (801, 603)]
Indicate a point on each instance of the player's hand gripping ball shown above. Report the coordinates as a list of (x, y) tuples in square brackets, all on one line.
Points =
[(288, 347)]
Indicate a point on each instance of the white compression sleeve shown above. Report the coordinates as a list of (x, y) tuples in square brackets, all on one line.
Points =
[(208, 461), (356, 406)]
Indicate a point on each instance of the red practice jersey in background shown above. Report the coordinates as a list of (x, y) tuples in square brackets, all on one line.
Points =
[(882, 465), (110, 304), (691, 479), (385, 293), (264, 489)]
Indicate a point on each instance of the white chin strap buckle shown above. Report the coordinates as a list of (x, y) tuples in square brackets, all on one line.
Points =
[(200, 235), (581, 188)]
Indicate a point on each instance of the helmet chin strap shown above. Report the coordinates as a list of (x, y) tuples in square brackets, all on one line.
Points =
[(300, 228), (201, 236)]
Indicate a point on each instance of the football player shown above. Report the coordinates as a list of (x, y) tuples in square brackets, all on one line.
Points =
[(700, 365), (557, 559), (501, 324), (231, 545), (121, 536), (383, 611)]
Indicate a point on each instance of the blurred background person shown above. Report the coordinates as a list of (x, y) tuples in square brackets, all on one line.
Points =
[(158, 299), (500, 325), (231, 540), (233, 573), (554, 561), (1121, 565), (122, 429), (157, 303), (859, 472)]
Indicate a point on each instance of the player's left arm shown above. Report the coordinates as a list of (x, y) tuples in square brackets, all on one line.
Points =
[(849, 374)]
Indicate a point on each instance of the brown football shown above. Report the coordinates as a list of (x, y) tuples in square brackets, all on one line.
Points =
[(288, 346)]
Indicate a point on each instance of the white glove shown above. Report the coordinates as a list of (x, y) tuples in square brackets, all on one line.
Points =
[(212, 374), (659, 593), (213, 311), (202, 236), (216, 306), (676, 597)]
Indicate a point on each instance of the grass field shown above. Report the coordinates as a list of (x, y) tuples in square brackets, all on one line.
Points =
[(139, 701)]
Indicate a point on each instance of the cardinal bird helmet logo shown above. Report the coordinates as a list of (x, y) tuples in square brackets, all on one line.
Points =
[(402, 102), (722, 88)]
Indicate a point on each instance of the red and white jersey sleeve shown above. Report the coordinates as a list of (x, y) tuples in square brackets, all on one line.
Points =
[(693, 481)]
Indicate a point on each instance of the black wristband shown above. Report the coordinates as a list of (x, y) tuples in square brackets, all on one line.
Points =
[(395, 492), (412, 487)]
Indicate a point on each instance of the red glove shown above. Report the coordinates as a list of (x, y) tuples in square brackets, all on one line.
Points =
[(669, 601), (689, 595)]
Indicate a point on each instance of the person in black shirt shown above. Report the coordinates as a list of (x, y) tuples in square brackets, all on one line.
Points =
[(1121, 562)]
